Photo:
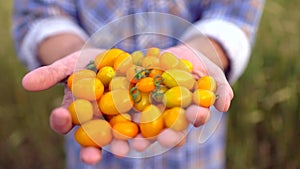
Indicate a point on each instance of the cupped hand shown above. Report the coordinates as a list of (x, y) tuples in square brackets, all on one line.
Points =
[(198, 115), (203, 66), (60, 120), (48, 76)]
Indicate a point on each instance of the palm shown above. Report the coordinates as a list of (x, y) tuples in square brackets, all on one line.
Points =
[(60, 119)]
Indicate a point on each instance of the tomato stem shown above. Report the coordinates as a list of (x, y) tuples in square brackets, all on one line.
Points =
[(134, 92), (157, 81), (91, 66)]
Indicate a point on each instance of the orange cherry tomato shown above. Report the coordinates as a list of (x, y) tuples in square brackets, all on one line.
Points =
[(207, 83), (204, 98), (156, 73), (125, 130), (119, 118), (107, 58), (175, 119), (146, 85), (115, 102), (151, 121), (123, 62), (96, 133)]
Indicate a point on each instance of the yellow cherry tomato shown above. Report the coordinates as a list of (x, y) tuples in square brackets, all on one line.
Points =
[(105, 74), (81, 111), (119, 82), (204, 98), (84, 73), (107, 58), (187, 65), (153, 52), (137, 57), (177, 77), (88, 88), (168, 61), (96, 133), (150, 62), (177, 96), (151, 121), (142, 102), (175, 119), (207, 83), (125, 130), (115, 102)]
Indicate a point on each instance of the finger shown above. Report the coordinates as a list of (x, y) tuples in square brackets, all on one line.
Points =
[(170, 138), (90, 155), (197, 115), (224, 97), (182, 141), (140, 143), (60, 120), (119, 148), (47, 76)]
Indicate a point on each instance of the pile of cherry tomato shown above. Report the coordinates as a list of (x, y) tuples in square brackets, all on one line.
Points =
[(120, 95)]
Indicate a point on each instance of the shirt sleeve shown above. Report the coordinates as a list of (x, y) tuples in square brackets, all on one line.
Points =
[(34, 21), (233, 24)]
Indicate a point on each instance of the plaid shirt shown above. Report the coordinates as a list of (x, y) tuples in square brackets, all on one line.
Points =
[(204, 149), (92, 15), (36, 20)]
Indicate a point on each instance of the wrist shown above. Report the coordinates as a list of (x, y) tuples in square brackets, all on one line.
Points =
[(58, 46), (212, 50)]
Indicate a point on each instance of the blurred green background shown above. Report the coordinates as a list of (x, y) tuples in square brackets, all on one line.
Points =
[(264, 119)]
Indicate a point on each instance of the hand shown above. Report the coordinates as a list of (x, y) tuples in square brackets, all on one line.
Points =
[(60, 120), (47, 76), (195, 114), (204, 66)]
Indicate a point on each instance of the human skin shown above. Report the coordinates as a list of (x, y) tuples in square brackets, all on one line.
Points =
[(58, 52)]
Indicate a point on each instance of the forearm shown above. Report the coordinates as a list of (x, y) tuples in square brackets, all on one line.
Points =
[(58, 46)]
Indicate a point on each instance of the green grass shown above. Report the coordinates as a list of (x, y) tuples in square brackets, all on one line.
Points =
[(26, 138), (264, 119), (263, 130)]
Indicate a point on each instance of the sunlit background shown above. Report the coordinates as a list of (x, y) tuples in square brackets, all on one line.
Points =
[(264, 119)]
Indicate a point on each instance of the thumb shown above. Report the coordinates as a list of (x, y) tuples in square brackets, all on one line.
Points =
[(47, 76)]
